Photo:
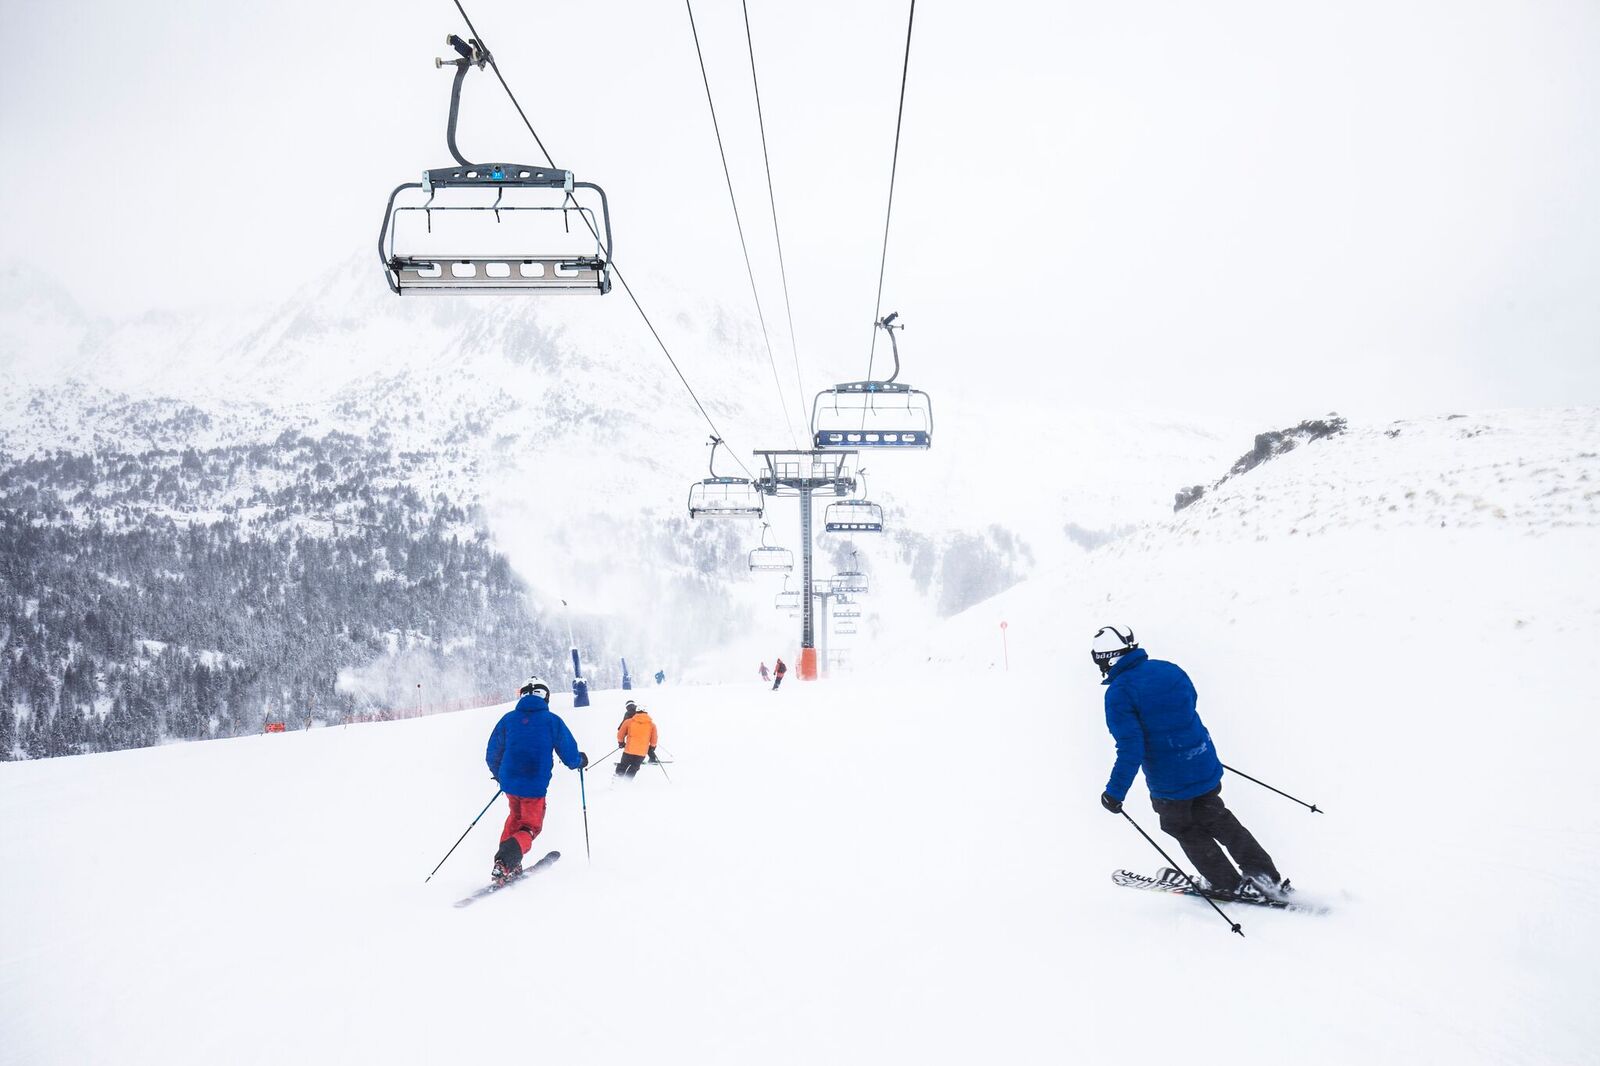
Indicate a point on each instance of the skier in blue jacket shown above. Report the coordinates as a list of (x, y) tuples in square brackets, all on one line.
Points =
[(520, 760), (1150, 710)]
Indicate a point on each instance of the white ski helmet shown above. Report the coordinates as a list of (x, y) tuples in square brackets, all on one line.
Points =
[(536, 685), (1109, 645)]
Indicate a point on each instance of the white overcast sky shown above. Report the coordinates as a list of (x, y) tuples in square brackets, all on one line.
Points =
[(1268, 209)]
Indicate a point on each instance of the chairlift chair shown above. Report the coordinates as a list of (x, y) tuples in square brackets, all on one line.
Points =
[(874, 414), (771, 557), (725, 497), (854, 515), (844, 630), (847, 612), (492, 232), (850, 581), (789, 599)]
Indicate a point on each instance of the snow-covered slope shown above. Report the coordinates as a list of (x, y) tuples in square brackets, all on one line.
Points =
[(910, 864)]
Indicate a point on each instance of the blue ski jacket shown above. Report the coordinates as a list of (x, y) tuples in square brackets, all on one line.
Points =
[(521, 746), (1150, 711)]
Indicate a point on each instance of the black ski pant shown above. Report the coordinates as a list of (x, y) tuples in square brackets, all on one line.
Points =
[(1204, 826), (778, 682), (628, 765)]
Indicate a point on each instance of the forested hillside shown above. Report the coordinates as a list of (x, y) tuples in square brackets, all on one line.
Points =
[(181, 595)]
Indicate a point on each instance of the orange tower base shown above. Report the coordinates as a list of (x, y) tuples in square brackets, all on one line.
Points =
[(808, 664)]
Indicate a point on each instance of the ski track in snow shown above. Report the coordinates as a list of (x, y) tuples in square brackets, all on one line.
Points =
[(907, 867)]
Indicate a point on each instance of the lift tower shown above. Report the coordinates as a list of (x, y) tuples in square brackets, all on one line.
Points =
[(804, 475)]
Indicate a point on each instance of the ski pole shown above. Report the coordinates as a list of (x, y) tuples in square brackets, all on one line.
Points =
[(1233, 924), (604, 757), (457, 844), (664, 772), (584, 792), (1268, 787)]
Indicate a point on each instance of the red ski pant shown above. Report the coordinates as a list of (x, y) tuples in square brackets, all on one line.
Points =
[(524, 821)]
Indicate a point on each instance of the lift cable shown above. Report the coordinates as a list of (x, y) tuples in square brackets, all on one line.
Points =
[(761, 316), (893, 166), (772, 199), (623, 281)]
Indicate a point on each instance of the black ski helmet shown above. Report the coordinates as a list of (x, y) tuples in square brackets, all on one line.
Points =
[(1109, 645)]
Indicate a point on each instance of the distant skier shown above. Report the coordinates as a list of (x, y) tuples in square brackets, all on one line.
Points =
[(778, 673), (765, 675), (520, 760), (661, 677), (636, 736), (1150, 710)]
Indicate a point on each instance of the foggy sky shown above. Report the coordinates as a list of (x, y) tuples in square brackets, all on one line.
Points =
[(1262, 209)]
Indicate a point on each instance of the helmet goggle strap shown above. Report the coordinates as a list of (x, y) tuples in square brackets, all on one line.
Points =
[(1105, 660)]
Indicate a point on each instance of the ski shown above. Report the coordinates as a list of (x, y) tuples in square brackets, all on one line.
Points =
[(1171, 881), (491, 889)]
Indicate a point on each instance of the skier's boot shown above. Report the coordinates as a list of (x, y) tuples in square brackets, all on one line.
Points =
[(1257, 885), (507, 861)]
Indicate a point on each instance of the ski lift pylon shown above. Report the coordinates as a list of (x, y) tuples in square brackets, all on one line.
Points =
[(770, 557), (489, 237), (724, 497), (874, 414)]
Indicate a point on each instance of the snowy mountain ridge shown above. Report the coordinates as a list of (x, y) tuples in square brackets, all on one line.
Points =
[(564, 408)]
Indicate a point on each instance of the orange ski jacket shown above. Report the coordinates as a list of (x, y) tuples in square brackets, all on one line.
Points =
[(638, 733)]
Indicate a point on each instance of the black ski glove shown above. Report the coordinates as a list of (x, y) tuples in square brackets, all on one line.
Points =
[(653, 755), (583, 761), (622, 743), (1112, 805)]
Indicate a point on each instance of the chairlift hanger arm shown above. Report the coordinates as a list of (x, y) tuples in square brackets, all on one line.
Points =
[(886, 323), (472, 54)]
